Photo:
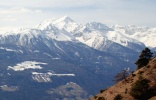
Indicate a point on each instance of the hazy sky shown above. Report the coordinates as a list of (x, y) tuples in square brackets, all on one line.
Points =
[(28, 13)]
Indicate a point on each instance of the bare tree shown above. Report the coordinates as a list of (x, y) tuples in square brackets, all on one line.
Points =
[(121, 75)]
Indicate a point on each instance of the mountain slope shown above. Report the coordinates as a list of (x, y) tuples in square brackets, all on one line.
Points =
[(60, 53), (143, 34), (34, 59), (93, 34), (98, 35), (124, 87)]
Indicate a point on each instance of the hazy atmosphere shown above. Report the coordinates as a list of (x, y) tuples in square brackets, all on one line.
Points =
[(28, 13)]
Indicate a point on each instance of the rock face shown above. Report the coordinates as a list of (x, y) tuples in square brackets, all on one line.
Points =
[(125, 88)]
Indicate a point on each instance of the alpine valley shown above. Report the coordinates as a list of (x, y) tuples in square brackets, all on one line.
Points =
[(60, 59)]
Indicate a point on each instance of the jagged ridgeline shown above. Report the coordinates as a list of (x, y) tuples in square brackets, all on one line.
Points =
[(60, 59)]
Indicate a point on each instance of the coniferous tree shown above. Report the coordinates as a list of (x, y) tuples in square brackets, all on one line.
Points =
[(144, 58)]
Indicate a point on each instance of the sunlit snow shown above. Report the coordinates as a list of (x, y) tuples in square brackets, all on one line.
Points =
[(11, 50), (52, 74), (26, 65), (45, 77)]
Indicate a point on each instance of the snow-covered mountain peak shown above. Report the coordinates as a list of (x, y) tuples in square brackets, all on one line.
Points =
[(93, 34), (65, 19), (129, 29), (98, 35), (98, 26), (63, 23), (116, 26), (16, 31), (143, 34), (121, 38)]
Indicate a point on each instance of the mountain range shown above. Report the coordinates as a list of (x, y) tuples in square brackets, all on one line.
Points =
[(61, 59)]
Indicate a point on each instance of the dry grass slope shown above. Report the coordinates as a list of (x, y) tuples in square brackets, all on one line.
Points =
[(124, 87)]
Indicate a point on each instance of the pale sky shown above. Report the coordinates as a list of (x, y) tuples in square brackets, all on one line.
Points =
[(28, 13)]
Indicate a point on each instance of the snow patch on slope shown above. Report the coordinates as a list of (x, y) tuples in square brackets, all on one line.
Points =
[(52, 74), (9, 88), (11, 50), (45, 77), (26, 65)]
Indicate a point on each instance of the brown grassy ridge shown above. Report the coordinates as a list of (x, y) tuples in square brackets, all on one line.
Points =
[(123, 87)]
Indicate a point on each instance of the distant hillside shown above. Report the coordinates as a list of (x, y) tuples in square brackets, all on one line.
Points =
[(140, 85)]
